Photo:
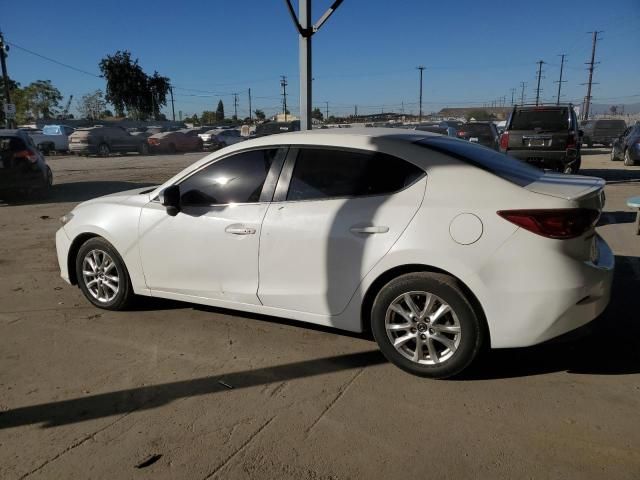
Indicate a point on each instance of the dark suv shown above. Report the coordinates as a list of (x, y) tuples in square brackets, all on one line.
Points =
[(545, 136), (602, 131)]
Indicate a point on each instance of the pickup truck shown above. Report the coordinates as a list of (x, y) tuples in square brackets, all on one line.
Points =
[(53, 138)]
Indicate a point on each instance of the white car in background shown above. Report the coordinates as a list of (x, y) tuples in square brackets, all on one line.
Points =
[(220, 138), (437, 245)]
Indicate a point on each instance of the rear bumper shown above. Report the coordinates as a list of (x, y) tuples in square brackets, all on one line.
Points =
[(546, 159), (546, 294), (83, 148), (21, 177)]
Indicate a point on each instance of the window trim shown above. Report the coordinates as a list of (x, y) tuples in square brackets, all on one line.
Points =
[(286, 175), (268, 187)]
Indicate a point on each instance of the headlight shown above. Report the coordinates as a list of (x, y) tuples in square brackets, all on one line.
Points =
[(66, 218)]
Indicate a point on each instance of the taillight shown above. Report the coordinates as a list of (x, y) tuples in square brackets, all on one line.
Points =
[(504, 141), (561, 224), (153, 141), (461, 133), (28, 155)]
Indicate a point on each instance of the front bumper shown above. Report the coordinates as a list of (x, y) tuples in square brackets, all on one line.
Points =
[(83, 148), (63, 243)]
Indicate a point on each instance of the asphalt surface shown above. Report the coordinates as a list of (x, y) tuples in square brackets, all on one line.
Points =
[(174, 390)]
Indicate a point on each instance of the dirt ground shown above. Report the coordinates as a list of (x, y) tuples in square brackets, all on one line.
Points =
[(174, 390)]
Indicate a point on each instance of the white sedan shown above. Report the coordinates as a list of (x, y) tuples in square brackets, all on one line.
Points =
[(438, 246)]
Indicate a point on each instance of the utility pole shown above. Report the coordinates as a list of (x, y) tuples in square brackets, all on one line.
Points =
[(539, 76), (421, 68), (283, 84), (355, 113), (5, 79), (180, 115), (173, 110), (327, 116), (560, 82), (250, 113), (522, 87), (306, 30), (592, 65), (235, 106), (513, 92)]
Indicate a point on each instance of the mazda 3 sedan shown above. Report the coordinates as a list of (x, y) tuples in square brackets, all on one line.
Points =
[(439, 246)]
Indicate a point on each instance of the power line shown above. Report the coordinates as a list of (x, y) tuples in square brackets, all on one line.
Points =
[(591, 64), (560, 82), (522, 87), (539, 77), (283, 84), (71, 67)]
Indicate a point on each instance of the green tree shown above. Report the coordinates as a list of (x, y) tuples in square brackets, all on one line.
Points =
[(220, 112), (317, 114), (41, 99), (259, 114), (92, 105), (130, 89), (13, 86), (208, 117)]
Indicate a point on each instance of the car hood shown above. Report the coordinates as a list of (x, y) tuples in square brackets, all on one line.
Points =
[(127, 197)]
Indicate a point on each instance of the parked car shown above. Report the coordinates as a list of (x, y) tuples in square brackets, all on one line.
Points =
[(627, 146), (603, 132), (173, 142), (52, 138), (221, 138), (271, 128), (546, 136), (23, 168), (483, 133), (358, 229), (102, 141), (435, 128)]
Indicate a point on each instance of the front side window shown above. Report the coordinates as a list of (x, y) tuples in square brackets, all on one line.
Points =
[(235, 179), (324, 173)]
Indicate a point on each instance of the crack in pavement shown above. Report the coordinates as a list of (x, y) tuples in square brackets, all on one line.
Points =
[(342, 391), (240, 449)]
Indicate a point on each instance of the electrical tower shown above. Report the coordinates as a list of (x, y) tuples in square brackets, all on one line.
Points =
[(250, 112), (235, 106), (522, 87), (327, 116), (283, 84), (560, 82), (421, 68), (539, 77), (592, 64), (513, 92)]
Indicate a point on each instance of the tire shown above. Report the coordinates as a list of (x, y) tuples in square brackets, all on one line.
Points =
[(613, 155), (103, 150), (455, 338), (627, 159), (144, 149), (93, 252)]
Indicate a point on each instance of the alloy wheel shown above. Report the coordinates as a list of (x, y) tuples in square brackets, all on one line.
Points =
[(100, 275), (423, 328)]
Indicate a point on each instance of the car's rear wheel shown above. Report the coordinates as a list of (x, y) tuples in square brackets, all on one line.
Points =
[(425, 325), (144, 148), (102, 275), (613, 154), (628, 161), (104, 150)]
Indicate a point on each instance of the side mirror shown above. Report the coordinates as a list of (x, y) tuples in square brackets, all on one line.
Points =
[(581, 133), (171, 199)]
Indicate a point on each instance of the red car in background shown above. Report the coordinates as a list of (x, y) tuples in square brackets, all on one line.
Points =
[(173, 142)]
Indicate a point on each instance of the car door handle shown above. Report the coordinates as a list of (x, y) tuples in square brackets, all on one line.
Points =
[(369, 229), (238, 229)]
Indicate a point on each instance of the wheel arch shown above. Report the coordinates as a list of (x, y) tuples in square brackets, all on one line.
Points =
[(73, 253), (388, 275)]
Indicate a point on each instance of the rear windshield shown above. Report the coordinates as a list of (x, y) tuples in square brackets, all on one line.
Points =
[(546, 119), (611, 124), (499, 164), (11, 144), (477, 129)]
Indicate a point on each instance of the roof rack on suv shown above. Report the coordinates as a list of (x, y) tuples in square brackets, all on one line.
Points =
[(566, 104)]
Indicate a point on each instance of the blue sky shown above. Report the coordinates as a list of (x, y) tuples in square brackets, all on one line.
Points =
[(366, 54)]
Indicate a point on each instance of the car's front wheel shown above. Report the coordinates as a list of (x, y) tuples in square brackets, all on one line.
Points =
[(144, 149), (102, 275), (628, 161), (103, 150), (424, 324)]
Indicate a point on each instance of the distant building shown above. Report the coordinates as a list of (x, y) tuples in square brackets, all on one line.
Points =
[(501, 113)]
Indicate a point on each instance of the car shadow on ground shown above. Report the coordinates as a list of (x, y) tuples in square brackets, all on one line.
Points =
[(609, 218), (614, 175), (610, 345), (76, 192), (595, 151)]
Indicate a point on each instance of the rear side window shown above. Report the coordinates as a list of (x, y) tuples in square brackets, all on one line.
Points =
[(540, 119), (324, 173), (477, 129), (499, 164)]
